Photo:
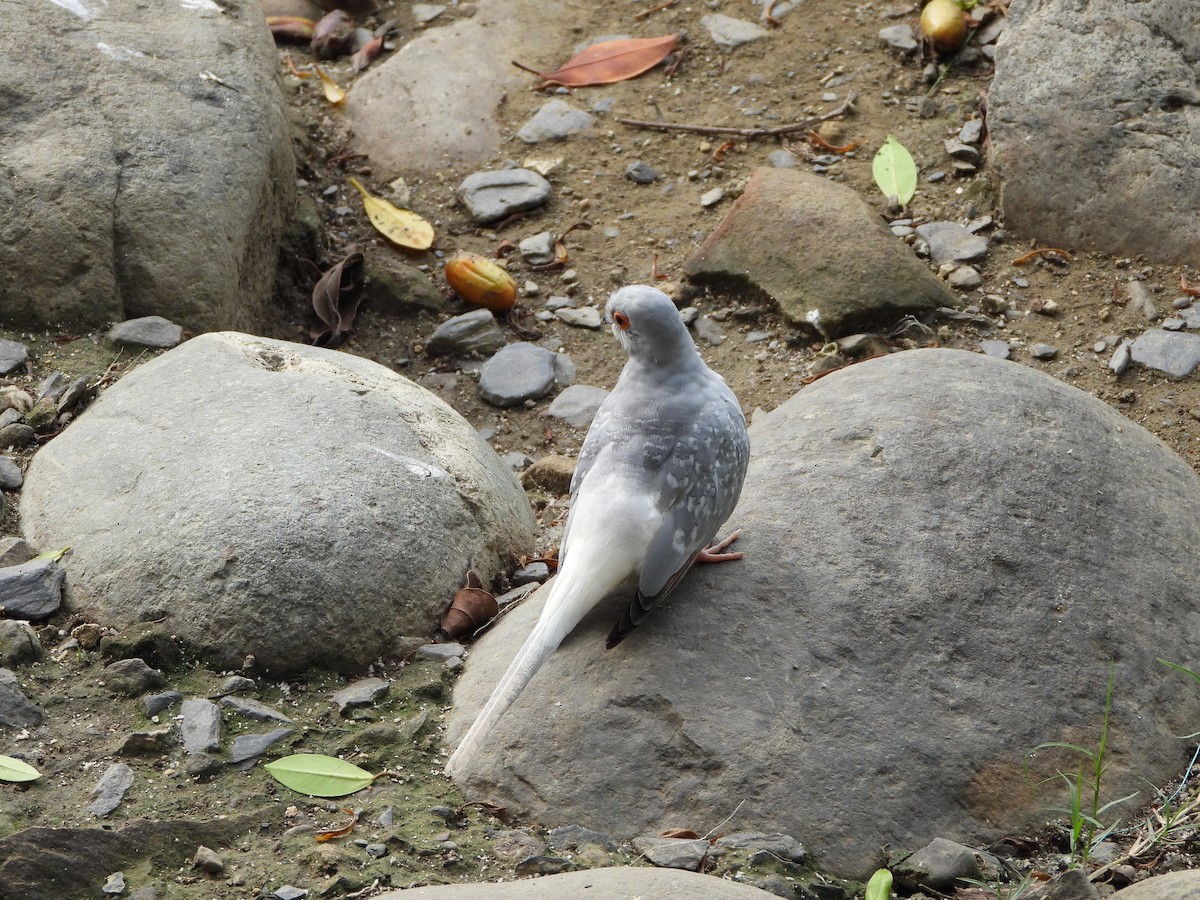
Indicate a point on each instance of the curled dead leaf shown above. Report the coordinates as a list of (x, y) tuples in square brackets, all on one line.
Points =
[(336, 298), (609, 61), (481, 281), (685, 833), (365, 54), (471, 608), (334, 92)]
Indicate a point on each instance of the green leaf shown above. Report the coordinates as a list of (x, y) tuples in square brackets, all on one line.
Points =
[(319, 776), (1183, 670), (54, 555), (15, 770), (880, 886), (894, 171)]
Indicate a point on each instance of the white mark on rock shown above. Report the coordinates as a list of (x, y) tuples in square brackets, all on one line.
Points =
[(415, 466)]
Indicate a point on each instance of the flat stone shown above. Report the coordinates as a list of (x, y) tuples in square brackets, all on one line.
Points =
[(14, 551), (575, 837), (495, 195), (608, 883), (1176, 354), (519, 372), (577, 405), (712, 197), (964, 278), (148, 331), (114, 885), (153, 704), (939, 864), (16, 436), (673, 853), (787, 235), (729, 33), (538, 249), (19, 644), (783, 846), (16, 710), (200, 727), (1043, 351), (251, 746), (542, 865), (442, 652), (11, 477), (146, 743), (963, 151), (1122, 357), (555, 120), (640, 172), (585, 317), (781, 159), (12, 355), (997, 349), (244, 706), (972, 130), (471, 334), (533, 573), (899, 37), (1172, 886), (110, 789), (31, 590), (363, 692), (424, 13), (132, 676), (950, 242)]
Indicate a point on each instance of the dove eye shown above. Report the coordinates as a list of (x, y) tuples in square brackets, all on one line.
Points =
[(621, 320)]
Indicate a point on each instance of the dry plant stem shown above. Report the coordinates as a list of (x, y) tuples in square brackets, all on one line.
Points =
[(646, 13), (768, 16), (1147, 838), (846, 107)]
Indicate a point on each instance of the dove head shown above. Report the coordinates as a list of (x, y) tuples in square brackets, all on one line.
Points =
[(647, 324)]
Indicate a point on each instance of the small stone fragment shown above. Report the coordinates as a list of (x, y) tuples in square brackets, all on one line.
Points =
[(16, 436), (378, 851), (88, 634), (781, 846), (964, 278), (244, 706), (971, 132), (729, 33), (16, 710), (208, 862), (577, 405), (237, 684), (201, 726), (251, 746), (10, 475), (14, 551), (1141, 300), (961, 151), (19, 644), (115, 884), (1043, 351), (555, 120), (709, 330), (673, 853), (31, 590), (132, 677), (782, 159), (146, 743), (440, 651), (516, 844), (641, 173), (1175, 354), (543, 865), (899, 38), (712, 197), (110, 789), (1072, 884), (1121, 357), (586, 317), (12, 355), (363, 692), (998, 349), (940, 863), (495, 195), (148, 331), (573, 837), (424, 13), (156, 703), (537, 250), (290, 892), (951, 242), (202, 766), (519, 372), (533, 573)]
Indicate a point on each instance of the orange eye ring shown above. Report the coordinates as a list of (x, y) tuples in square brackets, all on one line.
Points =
[(621, 320)]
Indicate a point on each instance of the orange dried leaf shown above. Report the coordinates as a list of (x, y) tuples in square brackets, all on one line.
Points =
[(333, 91), (610, 61), (400, 226), (339, 832), (291, 28)]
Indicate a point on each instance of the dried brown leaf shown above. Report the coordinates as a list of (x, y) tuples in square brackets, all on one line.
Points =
[(335, 300), (610, 61), (365, 54)]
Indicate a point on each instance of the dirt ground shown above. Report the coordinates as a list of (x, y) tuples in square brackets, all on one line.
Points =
[(795, 73)]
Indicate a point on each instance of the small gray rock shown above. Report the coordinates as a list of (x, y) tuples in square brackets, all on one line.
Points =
[(290, 892), (448, 650), (538, 249), (237, 684), (940, 863), (643, 173), (899, 37), (244, 706), (12, 355), (201, 726), (573, 837), (998, 349), (156, 703), (519, 372), (1175, 354), (208, 862), (516, 844), (132, 677), (1043, 351), (587, 317), (251, 746), (31, 590), (378, 851), (557, 119), (494, 195), (473, 333), (1121, 357), (148, 331), (115, 884), (964, 278), (712, 197), (1072, 884), (110, 789), (10, 475), (534, 573), (709, 330), (19, 644), (972, 130), (543, 865), (16, 710), (782, 159), (673, 853), (14, 551), (959, 150), (729, 33), (951, 242), (363, 692), (424, 13), (782, 846), (146, 743), (577, 405), (16, 435)]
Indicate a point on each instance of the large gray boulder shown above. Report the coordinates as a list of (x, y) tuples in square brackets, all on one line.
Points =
[(943, 552), (1094, 115), (815, 248), (249, 496), (145, 163)]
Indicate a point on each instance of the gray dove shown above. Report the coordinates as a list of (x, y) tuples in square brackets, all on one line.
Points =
[(659, 472)]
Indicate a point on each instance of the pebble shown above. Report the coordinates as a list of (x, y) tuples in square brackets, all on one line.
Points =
[(939, 864), (951, 242), (1043, 351), (712, 197), (148, 331), (200, 727), (12, 355), (237, 684), (557, 119), (729, 33), (1173, 324), (519, 372), (471, 334), (31, 590), (537, 250), (363, 692), (378, 851), (935, 176), (577, 405), (244, 706), (494, 195), (146, 743), (110, 789), (16, 436), (757, 337), (14, 551), (709, 330), (979, 224), (252, 746), (971, 132), (1190, 316), (899, 37), (560, 302), (1121, 357), (998, 349), (964, 278), (442, 652), (208, 862), (533, 573), (1181, 302), (543, 865), (132, 677), (290, 892), (587, 317), (572, 837), (1173, 353), (19, 644), (156, 703), (959, 150), (641, 173), (673, 853), (16, 710), (782, 159), (516, 844), (115, 884)]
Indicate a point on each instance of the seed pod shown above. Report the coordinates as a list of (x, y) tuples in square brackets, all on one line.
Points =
[(471, 607), (944, 25), (481, 281)]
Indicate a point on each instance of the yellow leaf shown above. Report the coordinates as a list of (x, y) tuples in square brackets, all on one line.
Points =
[(400, 226), (333, 92)]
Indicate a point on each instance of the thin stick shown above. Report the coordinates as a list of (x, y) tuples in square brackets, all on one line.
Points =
[(1032, 254), (652, 10), (847, 106)]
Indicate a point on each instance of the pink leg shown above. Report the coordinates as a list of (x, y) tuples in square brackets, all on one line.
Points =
[(713, 554)]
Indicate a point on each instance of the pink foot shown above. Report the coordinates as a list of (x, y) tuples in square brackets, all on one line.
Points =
[(713, 554)]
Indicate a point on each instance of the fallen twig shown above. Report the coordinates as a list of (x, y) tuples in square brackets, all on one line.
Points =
[(846, 107), (1040, 251)]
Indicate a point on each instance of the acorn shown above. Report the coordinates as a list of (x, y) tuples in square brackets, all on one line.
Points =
[(944, 25), (481, 281)]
